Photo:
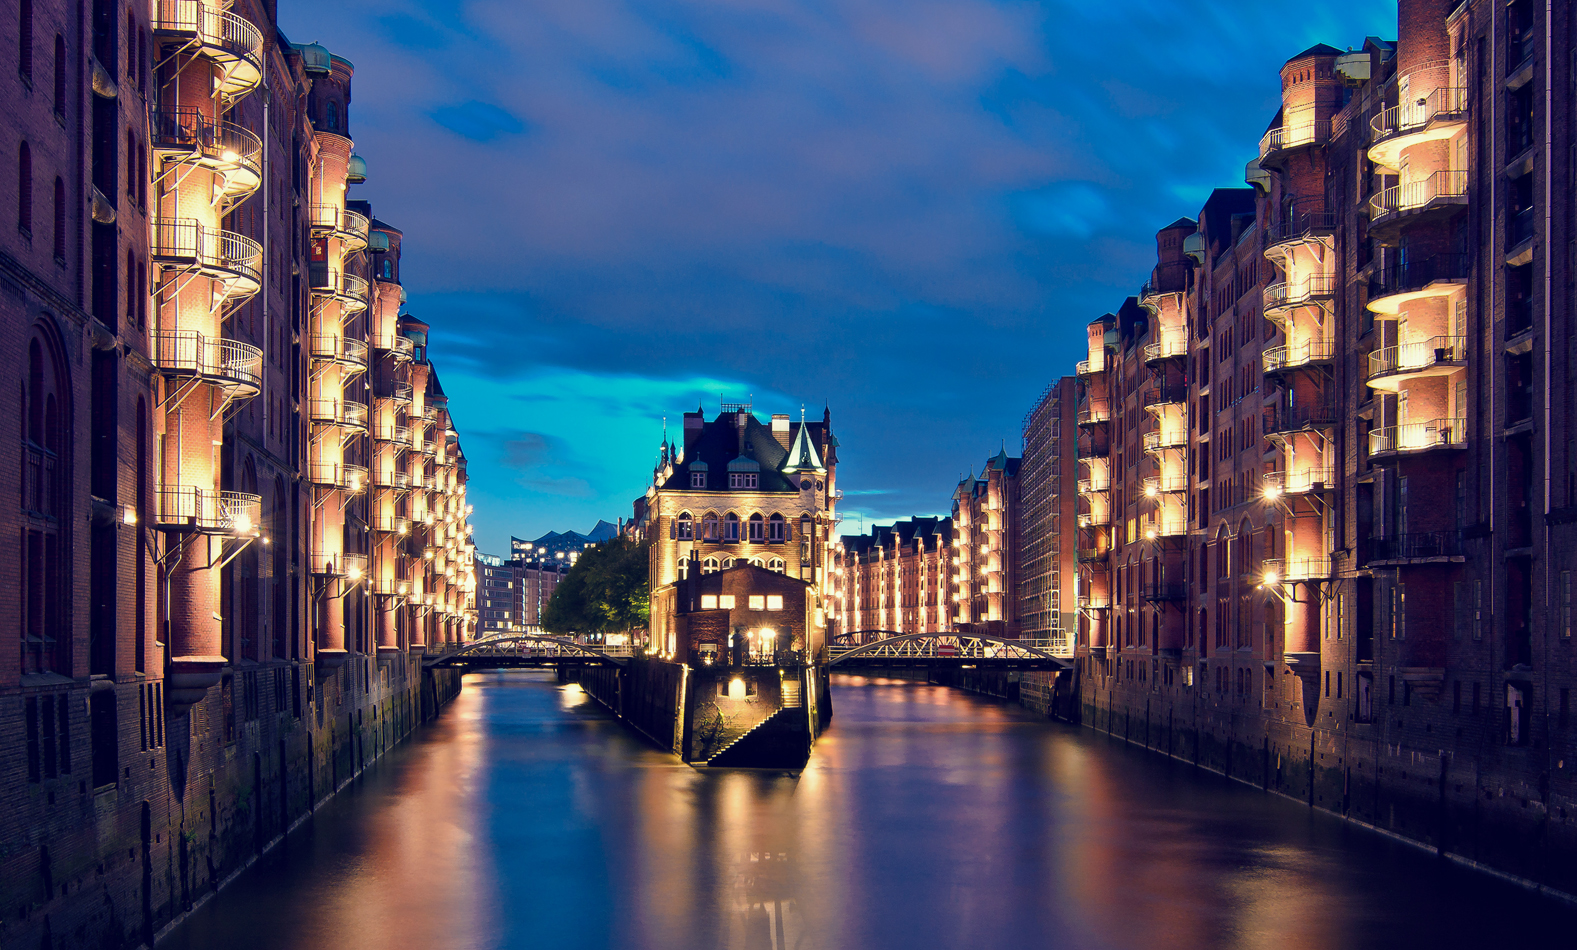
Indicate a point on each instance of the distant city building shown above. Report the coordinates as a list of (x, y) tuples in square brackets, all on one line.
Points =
[(1048, 569), (562, 545), (985, 533), (896, 579), (496, 593)]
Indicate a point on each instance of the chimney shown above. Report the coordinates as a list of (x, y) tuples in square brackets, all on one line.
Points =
[(780, 429)]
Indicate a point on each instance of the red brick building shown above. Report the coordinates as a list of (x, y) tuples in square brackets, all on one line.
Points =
[(897, 579), (986, 549), (226, 559), (1327, 497)]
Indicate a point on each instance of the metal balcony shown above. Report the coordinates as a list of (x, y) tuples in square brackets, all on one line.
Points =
[(1276, 143), (1090, 519), (1303, 481), (1175, 527), (341, 350), (205, 511), (337, 412), (1094, 412), (1300, 227), (1156, 484), (398, 434), (1282, 295), (399, 392), (352, 567), (349, 226), (1170, 277), (1439, 195), (1391, 366), (1173, 347), (1417, 547), (187, 136), (1090, 367), (396, 479), (391, 524), (188, 244), (1284, 359), (233, 366), (1404, 280), (1092, 555), (341, 475), (1275, 571), (1418, 437), (1166, 437), (1161, 398), (400, 347), (1434, 116), (1088, 486), (1304, 417), (1165, 591), (226, 38)]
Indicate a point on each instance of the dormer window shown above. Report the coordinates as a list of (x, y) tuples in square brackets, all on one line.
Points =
[(742, 479), (697, 479)]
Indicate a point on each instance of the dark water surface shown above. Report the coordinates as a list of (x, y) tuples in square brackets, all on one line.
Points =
[(927, 817)]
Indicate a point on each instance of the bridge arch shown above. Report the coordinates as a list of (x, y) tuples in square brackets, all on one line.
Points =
[(938, 649), (521, 649)]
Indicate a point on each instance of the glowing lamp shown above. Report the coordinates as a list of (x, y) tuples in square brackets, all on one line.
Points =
[(1270, 579)]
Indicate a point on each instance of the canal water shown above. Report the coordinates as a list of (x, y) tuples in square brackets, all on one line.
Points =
[(927, 818)]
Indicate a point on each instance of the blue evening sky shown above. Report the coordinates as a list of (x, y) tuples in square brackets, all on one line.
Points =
[(616, 210)]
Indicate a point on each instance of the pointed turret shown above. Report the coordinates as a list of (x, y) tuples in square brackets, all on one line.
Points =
[(802, 455)]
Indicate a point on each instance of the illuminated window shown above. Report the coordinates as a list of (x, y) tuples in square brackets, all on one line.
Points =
[(777, 529), (726, 601), (777, 564), (774, 601), (708, 601), (709, 566), (758, 602), (731, 528), (697, 479), (757, 529), (686, 527), (709, 527)]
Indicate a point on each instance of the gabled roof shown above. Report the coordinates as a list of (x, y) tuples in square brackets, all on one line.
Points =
[(716, 448), (1318, 49)]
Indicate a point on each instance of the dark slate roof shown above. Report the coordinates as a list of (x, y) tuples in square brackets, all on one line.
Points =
[(1318, 49), (718, 448), (903, 532), (1181, 223)]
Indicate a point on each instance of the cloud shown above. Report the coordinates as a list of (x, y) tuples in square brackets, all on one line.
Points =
[(908, 209)]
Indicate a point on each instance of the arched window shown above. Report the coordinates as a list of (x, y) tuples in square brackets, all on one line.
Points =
[(25, 40), (388, 269), (24, 189), (777, 529), (45, 414), (777, 565), (60, 220), (1245, 549), (60, 74), (709, 527), (757, 529), (709, 566), (331, 116), (728, 562), (731, 529), (686, 526), (756, 562)]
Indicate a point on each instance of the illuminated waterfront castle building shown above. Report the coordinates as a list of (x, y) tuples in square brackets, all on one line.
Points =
[(738, 491), (241, 513), (896, 579), (1325, 529), (986, 549)]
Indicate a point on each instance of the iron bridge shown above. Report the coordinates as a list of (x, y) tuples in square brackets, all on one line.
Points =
[(525, 651), (943, 650)]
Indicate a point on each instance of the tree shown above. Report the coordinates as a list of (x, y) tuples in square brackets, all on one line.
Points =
[(607, 591)]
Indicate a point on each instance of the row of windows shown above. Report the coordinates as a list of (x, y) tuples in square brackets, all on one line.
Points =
[(758, 529), (754, 601), (712, 565)]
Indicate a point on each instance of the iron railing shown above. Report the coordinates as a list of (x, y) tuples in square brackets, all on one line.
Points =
[(1417, 194), (337, 412), (349, 226), (219, 253), (339, 349), (189, 353), (341, 475), (209, 511), (1279, 358), (1313, 132), (1420, 355), (223, 146), (1416, 114), (1283, 294), (1299, 417), (1418, 436), (1418, 544)]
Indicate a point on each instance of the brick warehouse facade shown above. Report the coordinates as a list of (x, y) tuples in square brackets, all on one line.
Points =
[(897, 579), (241, 514), (1325, 519)]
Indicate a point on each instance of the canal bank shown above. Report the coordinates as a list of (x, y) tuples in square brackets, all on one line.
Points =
[(1433, 799), (211, 791)]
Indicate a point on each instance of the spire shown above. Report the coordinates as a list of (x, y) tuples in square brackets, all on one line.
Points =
[(802, 455)]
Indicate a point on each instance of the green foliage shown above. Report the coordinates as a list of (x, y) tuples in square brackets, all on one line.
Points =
[(607, 591)]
